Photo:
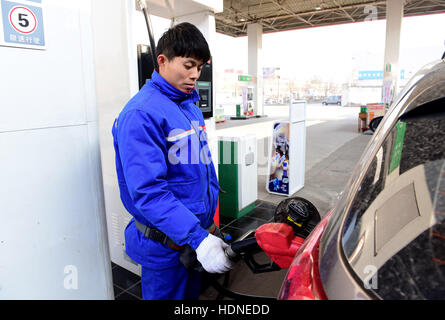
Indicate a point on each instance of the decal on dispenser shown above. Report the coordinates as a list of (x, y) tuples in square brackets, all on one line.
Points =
[(278, 180)]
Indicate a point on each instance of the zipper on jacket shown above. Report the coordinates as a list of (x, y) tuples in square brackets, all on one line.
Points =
[(201, 147)]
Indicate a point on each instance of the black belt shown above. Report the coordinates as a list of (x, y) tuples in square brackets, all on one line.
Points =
[(157, 235)]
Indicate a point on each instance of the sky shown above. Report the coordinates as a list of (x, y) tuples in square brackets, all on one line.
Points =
[(331, 53)]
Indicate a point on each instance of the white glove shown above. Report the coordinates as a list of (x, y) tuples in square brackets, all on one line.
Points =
[(210, 253)]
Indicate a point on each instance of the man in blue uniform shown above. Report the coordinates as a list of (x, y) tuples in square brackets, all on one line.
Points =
[(165, 173)]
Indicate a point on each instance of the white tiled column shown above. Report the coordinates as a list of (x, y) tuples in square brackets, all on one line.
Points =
[(255, 63), (394, 17)]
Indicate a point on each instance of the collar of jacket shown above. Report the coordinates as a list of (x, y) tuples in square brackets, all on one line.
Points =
[(171, 92)]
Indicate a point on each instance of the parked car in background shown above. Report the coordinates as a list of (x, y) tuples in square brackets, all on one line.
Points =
[(332, 100), (385, 238)]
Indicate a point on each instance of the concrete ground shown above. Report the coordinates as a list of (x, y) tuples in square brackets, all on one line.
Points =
[(333, 147)]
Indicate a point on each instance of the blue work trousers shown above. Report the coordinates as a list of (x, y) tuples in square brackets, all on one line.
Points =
[(176, 283)]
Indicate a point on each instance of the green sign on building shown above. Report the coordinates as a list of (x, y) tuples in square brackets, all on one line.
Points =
[(244, 78)]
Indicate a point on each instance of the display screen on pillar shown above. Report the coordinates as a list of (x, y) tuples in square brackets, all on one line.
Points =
[(204, 85)]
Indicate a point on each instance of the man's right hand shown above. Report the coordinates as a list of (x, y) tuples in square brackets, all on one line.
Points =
[(210, 253)]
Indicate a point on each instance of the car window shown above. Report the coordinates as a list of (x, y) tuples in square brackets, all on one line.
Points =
[(394, 234)]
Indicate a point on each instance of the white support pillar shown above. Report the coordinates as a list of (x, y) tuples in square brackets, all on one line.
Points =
[(255, 63), (394, 16), (205, 22)]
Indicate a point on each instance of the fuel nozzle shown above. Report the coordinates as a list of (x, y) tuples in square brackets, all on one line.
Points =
[(245, 245)]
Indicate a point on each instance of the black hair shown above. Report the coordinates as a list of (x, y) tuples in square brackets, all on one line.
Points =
[(183, 40)]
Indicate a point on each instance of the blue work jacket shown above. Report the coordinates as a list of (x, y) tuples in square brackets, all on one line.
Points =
[(165, 173)]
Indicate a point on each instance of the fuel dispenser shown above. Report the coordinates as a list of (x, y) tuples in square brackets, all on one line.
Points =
[(238, 174), (204, 85), (244, 90)]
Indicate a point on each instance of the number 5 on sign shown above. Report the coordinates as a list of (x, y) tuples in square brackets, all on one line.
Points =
[(23, 20), (21, 24)]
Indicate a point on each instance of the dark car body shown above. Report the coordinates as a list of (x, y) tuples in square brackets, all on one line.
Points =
[(385, 238)]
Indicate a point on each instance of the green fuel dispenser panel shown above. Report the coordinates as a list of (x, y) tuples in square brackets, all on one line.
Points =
[(237, 174)]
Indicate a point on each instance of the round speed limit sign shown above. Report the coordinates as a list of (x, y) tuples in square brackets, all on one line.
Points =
[(23, 20)]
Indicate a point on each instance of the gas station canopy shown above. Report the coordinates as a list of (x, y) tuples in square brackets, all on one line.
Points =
[(281, 15)]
